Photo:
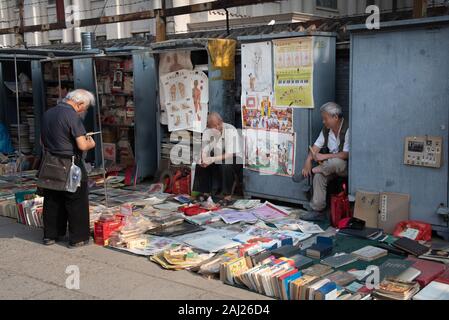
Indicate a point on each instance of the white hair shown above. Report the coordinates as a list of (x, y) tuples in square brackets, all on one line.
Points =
[(81, 96), (332, 109)]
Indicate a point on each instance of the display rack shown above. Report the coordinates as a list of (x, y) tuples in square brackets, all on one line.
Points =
[(58, 81), (116, 102)]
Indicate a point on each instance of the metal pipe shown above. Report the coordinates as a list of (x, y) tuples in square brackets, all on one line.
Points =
[(18, 118), (106, 197), (227, 21)]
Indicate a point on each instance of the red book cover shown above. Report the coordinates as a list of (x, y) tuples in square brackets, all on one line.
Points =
[(430, 270), (444, 277), (284, 276)]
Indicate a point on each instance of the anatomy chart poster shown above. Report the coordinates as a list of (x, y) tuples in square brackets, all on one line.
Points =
[(200, 97), (257, 75), (178, 100), (186, 95), (259, 112), (270, 152), (293, 71)]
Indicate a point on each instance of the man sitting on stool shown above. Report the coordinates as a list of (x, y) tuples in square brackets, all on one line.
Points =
[(331, 152), (218, 166)]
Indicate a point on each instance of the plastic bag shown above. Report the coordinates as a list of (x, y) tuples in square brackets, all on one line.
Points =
[(74, 180), (5, 141)]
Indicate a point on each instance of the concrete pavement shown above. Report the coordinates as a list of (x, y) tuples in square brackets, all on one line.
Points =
[(29, 270)]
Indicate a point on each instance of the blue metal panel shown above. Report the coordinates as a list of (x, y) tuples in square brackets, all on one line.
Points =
[(146, 113), (307, 125), (399, 88), (221, 95), (38, 100), (83, 78)]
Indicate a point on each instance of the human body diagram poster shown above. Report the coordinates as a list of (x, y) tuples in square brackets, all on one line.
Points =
[(270, 152), (293, 72), (186, 96), (257, 75)]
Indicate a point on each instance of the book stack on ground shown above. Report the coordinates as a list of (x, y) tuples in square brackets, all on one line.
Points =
[(179, 257), (322, 248), (411, 246), (398, 269), (370, 253), (396, 290), (430, 270), (436, 255)]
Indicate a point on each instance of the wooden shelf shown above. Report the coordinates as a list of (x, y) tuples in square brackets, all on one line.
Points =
[(118, 125), (117, 94), (57, 82)]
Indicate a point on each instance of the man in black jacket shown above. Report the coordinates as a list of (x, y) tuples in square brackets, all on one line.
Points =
[(64, 135)]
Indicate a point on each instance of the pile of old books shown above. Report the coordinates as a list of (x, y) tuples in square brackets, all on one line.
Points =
[(179, 257), (391, 289), (31, 212), (283, 279)]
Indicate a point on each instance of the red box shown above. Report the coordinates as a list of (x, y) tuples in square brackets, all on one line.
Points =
[(103, 230)]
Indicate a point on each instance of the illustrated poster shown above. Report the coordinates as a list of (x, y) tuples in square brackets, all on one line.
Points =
[(293, 70), (270, 152)]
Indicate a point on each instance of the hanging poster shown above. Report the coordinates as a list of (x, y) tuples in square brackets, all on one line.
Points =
[(170, 62), (200, 96), (270, 152), (178, 100), (293, 71), (257, 75), (258, 112)]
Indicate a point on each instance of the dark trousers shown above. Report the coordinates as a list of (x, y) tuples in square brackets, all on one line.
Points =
[(61, 207), (215, 178)]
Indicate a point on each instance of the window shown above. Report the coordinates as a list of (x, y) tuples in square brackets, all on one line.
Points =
[(51, 2), (56, 41), (327, 4), (141, 35), (100, 38)]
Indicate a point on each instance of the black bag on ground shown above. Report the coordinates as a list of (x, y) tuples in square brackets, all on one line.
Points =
[(54, 172)]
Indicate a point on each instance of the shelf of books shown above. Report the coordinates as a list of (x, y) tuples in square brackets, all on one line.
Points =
[(20, 123), (58, 81), (115, 83)]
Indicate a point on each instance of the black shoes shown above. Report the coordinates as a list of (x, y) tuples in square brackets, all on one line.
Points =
[(78, 244), (48, 241)]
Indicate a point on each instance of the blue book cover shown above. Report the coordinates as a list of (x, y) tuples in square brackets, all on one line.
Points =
[(323, 249), (328, 287), (286, 283)]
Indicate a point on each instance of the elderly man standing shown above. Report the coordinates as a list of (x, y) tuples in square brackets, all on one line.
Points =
[(64, 135), (331, 152), (220, 154)]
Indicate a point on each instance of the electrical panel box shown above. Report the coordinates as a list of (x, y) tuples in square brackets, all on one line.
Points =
[(423, 151)]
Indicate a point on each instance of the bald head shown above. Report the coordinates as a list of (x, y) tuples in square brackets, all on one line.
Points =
[(215, 121)]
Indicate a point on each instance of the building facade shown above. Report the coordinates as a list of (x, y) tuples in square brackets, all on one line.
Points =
[(44, 11)]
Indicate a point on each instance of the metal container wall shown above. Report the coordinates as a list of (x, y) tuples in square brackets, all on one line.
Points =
[(400, 88), (307, 124), (146, 114)]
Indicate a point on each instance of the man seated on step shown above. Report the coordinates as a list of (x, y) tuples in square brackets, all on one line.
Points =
[(220, 161), (331, 152)]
